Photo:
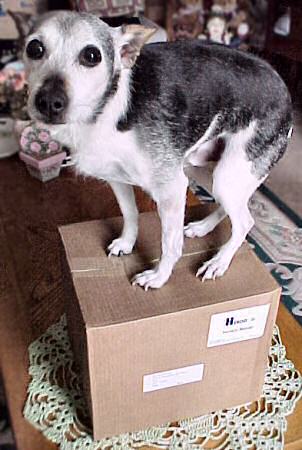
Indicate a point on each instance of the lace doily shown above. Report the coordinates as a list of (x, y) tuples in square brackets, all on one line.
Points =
[(55, 406)]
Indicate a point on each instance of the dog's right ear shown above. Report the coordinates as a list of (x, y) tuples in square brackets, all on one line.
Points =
[(131, 39)]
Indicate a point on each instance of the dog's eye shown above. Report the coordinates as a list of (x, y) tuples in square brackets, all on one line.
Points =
[(35, 49), (90, 56)]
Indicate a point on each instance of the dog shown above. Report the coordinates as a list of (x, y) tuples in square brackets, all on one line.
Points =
[(138, 114)]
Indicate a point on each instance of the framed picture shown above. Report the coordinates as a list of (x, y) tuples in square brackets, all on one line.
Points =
[(111, 8)]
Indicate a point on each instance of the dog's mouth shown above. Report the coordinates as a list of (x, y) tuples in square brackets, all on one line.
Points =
[(53, 121), (38, 117)]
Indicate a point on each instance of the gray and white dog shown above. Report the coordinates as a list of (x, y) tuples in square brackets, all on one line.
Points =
[(137, 115)]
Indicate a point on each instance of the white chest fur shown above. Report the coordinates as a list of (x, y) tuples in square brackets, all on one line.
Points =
[(105, 153)]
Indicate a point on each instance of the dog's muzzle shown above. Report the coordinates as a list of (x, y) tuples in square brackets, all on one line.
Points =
[(51, 100)]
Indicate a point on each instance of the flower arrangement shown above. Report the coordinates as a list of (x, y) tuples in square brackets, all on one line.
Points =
[(38, 142), (13, 91), (42, 154)]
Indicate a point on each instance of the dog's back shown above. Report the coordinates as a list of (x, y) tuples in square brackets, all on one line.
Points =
[(179, 88)]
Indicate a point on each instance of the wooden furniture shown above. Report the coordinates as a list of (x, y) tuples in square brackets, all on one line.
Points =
[(288, 46), (31, 281), (285, 52)]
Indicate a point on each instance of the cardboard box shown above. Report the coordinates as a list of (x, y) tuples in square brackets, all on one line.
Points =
[(130, 344)]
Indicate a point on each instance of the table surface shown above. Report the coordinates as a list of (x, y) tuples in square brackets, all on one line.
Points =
[(31, 283)]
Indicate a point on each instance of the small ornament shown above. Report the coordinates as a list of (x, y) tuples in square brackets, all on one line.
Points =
[(42, 154), (187, 20), (216, 29)]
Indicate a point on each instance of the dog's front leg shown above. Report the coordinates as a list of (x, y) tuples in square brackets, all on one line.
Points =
[(171, 200), (126, 200)]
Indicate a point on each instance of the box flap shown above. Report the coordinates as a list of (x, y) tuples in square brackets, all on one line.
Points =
[(103, 286)]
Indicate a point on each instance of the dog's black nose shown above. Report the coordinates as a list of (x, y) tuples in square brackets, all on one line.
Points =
[(50, 104), (51, 100)]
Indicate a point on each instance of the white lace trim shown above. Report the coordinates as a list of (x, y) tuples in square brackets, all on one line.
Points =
[(55, 406)]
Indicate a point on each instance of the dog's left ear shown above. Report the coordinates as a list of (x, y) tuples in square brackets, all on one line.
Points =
[(130, 41), (24, 23)]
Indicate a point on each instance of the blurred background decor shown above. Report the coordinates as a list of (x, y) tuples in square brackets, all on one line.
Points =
[(13, 91), (110, 8), (238, 23), (13, 100)]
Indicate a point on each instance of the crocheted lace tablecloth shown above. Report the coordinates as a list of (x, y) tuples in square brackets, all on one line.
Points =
[(55, 406)]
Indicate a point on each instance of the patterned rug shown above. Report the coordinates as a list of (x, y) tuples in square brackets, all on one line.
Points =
[(277, 240)]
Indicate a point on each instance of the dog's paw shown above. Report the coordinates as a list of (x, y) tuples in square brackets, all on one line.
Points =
[(214, 268), (150, 279), (120, 246), (197, 229)]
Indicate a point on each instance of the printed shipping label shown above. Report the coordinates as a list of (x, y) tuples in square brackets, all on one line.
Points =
[(171, 378), (240, 325)]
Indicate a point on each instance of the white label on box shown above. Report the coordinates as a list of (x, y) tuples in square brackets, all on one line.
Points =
[(171, 378), (240, 325)]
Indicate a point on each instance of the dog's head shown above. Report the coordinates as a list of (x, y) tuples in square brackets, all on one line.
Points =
[(74, 62)]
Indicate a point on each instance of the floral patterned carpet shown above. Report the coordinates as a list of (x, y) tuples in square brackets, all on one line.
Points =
[(276, 239)]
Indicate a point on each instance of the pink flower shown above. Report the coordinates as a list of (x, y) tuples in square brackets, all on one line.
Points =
[(3, 77), (35, 147), (44, 136), (54, 146), (23, 142), (19, 81)]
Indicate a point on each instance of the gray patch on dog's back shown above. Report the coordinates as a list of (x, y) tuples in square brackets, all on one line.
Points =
[(207, 81)]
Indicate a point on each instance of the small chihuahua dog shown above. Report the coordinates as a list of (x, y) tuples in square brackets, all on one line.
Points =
[(138, 114)]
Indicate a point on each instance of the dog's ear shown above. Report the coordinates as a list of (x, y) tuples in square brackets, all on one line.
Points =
[(24, 23), (130, 41)]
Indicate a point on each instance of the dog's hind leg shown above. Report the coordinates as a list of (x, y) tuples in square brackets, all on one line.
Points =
[(233, 184), (203, 227), (171, 199), (126, 200)]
